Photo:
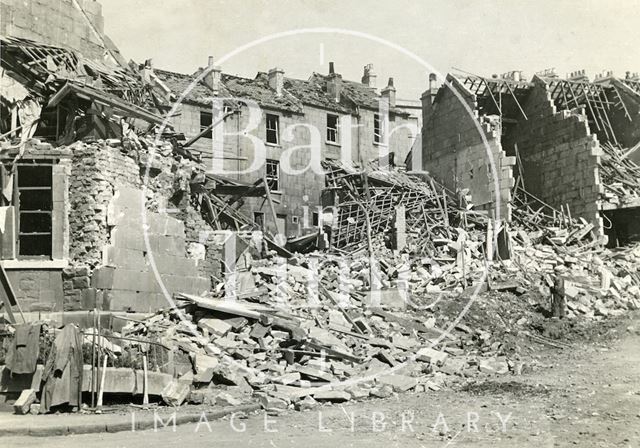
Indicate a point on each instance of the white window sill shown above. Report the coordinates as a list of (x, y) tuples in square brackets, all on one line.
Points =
[(273, 145), (381, 144), (35, 264), (333, 144)]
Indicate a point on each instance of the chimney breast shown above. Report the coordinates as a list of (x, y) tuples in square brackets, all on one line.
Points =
[(432, 81), (276, 80), (389, 93), (369, 77), (334, 83), (213, 76)]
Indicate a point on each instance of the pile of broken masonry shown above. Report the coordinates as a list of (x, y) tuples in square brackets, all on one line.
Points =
[(294, 332)]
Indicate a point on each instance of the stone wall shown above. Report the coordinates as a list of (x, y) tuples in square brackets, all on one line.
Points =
[(454, 153), (559, 155), (111, 262), (97, 170), (77, 24), (145, 257)]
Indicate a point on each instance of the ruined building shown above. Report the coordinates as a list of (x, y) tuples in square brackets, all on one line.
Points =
[(108, 200), (324, 116), (560, 142)]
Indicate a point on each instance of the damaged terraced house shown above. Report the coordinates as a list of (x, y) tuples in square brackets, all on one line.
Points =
[(143, 250), (81, 163), (568, 145)]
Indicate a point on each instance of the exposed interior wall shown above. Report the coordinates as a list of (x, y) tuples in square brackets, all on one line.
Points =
[(559, 155), (453, 151)]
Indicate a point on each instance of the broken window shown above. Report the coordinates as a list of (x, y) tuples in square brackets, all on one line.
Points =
[(35, 206), (332, 128), (206, 120), (272, 128), (273, 174), (378, 131)]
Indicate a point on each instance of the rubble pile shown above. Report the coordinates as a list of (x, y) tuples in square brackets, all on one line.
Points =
[(349, 324), (619, 175)]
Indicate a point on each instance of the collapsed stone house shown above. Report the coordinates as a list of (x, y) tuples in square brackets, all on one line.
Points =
[(77, 228), (100, 211), (552, 140), (324, 116)]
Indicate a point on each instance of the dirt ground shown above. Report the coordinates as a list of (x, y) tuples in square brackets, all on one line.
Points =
[(585, 396)]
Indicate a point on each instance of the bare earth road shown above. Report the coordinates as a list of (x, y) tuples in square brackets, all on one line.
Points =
[(588, 396)]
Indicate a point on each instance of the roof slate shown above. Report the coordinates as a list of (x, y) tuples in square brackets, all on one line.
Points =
[(296, 92), (199, 93), (258, 89)]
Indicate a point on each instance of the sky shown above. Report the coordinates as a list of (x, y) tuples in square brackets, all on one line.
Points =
[(481, 37)]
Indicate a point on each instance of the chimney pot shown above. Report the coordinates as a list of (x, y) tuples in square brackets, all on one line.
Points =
[(331, 69)]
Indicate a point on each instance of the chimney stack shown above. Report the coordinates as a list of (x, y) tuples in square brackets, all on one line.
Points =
[(276, 80), (213, 76), (432, 83), (334, 83), (369, 77), (389, 93)]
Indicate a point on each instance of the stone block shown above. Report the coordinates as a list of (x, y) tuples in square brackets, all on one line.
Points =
[(176, 392), (427, 354), (399, 383), (217, 327), (25, 400), (335, 396)]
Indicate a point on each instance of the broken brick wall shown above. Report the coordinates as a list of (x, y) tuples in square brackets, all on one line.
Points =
[(77, 24), (559, 155), (454, 153)]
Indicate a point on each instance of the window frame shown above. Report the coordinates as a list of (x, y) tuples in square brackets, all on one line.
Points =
[(378, 129), (272, 177), (275, 132), (333, 130), (19, 212), (204, 113)]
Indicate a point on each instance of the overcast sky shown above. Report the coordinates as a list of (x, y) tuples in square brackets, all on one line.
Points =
[(481, 37)]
